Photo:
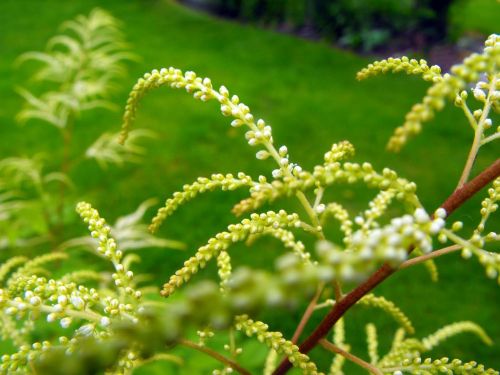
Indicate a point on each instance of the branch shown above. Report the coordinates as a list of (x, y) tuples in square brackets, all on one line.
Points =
[(478, 134), (455, 200), (434, 254), (351, 357), (463, 193), (215, 355), (307, 314)]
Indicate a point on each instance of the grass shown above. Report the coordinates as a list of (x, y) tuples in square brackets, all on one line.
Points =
[(307, 92), (480, 16)]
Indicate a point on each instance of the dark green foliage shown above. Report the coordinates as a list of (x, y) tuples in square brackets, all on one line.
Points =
[(360, 24)]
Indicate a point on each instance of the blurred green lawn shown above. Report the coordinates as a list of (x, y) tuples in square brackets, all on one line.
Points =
[(307, 92)]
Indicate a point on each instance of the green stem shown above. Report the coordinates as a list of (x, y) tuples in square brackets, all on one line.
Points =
[(87, 315), (478, 134), (469, 115), (490, 138)]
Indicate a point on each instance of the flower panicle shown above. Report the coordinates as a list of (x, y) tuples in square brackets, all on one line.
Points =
[(226, 182), (107, 247), (276, 341), (256, 224), (399, 65)]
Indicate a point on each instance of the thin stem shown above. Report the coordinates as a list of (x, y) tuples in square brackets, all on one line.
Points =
[(215, 355), (309, 228), (469, 115), (462, 242), (351, 357), (478, 134), (327, 303), (425, 257), (455, 200), (490, 138), (307, 314), (319, 196), (310, 212), (162, 357), (232, 342), (86, 315)]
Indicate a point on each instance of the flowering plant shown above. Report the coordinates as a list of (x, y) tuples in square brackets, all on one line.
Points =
[(119, 325)]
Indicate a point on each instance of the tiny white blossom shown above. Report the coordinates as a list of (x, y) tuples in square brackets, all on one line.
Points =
[(437, 225), (85, 330), (65, 322), (440, 212), (320, 208), (105, 321)]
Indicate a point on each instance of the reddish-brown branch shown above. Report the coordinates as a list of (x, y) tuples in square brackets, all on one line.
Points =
[(455, 200), (463, 193), (307, 314)]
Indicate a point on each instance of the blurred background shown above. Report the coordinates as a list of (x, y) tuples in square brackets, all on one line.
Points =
[(294, 64)]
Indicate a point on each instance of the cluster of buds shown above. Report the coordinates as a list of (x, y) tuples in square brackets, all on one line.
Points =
[(11, 363), (450, 330), (443, 365), (445, 86), (286, 170), (350, 173), (256, 224), (332, 171), (60, 301), (390, 243), (217, 181), (341, 215), (398, 65), (107, 248), (276, 341)]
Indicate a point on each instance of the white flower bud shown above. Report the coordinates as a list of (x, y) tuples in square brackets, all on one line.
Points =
[(51, 317), (85, 330), (223, 91), (421, 216), (35, 301), (77, 302), (479, 94), (105, 321), (320, 208), (466, 253), (437, 225), (440, 212), (262, 155), (65, 322), (62, 300)]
